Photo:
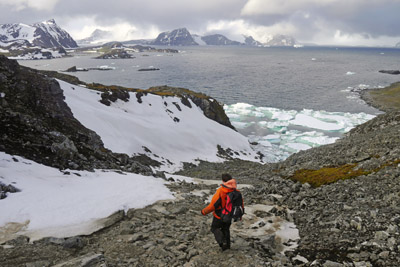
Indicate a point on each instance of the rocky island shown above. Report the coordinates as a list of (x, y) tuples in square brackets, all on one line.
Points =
[(340, 202)]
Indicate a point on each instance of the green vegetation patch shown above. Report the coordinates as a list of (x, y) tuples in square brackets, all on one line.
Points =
[(388, 97), (174, 91), (328, 175)]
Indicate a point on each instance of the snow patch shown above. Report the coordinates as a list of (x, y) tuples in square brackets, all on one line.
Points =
[(68, 204), (171, 135)]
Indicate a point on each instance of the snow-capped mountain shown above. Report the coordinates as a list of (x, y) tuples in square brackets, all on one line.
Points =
[(97, 37), (398, 45), (176, 37), (249, 40), (218, 39), (280, 40), (45, 34)]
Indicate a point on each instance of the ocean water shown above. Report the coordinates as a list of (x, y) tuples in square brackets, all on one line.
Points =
[(283, 99)]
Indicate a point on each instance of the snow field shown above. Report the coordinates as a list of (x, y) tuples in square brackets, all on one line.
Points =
[(184, 135), (51, 199)]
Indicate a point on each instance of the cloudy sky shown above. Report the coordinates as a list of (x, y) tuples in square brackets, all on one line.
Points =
[(340, 22)]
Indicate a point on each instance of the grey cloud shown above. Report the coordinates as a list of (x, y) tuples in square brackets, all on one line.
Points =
[(165, 14), (369, 18)]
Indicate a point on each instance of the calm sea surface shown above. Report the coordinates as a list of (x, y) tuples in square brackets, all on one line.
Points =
[(284, 99), (285, 78)]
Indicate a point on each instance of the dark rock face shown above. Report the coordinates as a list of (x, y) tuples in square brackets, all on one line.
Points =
[(108, 97), (37, 124), (116, 54), (218, 39), (178, 37), (394, 72), (6, 189), (148, 69), (142, 48), (211, 108)]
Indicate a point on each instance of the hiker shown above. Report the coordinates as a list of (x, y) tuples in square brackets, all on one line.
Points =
[(219, 227)]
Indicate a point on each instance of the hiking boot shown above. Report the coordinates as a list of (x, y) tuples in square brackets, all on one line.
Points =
[(225, 247)]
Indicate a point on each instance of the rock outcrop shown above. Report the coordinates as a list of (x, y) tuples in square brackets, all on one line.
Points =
[(394, 72), (211, 108)]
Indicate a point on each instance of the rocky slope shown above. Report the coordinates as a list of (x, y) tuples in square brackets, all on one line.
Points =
[(351, 222)]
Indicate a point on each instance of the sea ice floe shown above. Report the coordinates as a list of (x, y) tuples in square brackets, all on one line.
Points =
[(315, 123), (280, 133)]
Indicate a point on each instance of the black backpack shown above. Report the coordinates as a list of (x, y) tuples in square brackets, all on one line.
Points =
[(233, 208)]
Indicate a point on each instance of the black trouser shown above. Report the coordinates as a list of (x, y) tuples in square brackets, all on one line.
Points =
[(221, 232)]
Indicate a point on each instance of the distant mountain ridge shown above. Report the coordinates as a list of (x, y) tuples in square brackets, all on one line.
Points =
[(45, 34), (182, 37), (249, 40), (178, 37), (218, 39)]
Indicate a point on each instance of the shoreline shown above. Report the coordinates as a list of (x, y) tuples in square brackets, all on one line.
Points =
[(384, 99)]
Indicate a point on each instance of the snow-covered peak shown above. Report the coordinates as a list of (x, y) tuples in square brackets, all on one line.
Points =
[(50, 21), (280, 40), (176, 37), (45, 34), (97, 37)]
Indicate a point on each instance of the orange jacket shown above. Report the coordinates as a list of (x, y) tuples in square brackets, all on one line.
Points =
[(219, 199)]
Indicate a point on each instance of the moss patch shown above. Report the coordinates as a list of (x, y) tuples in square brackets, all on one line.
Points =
[(174, 91), (330, 175), (387, 98)]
